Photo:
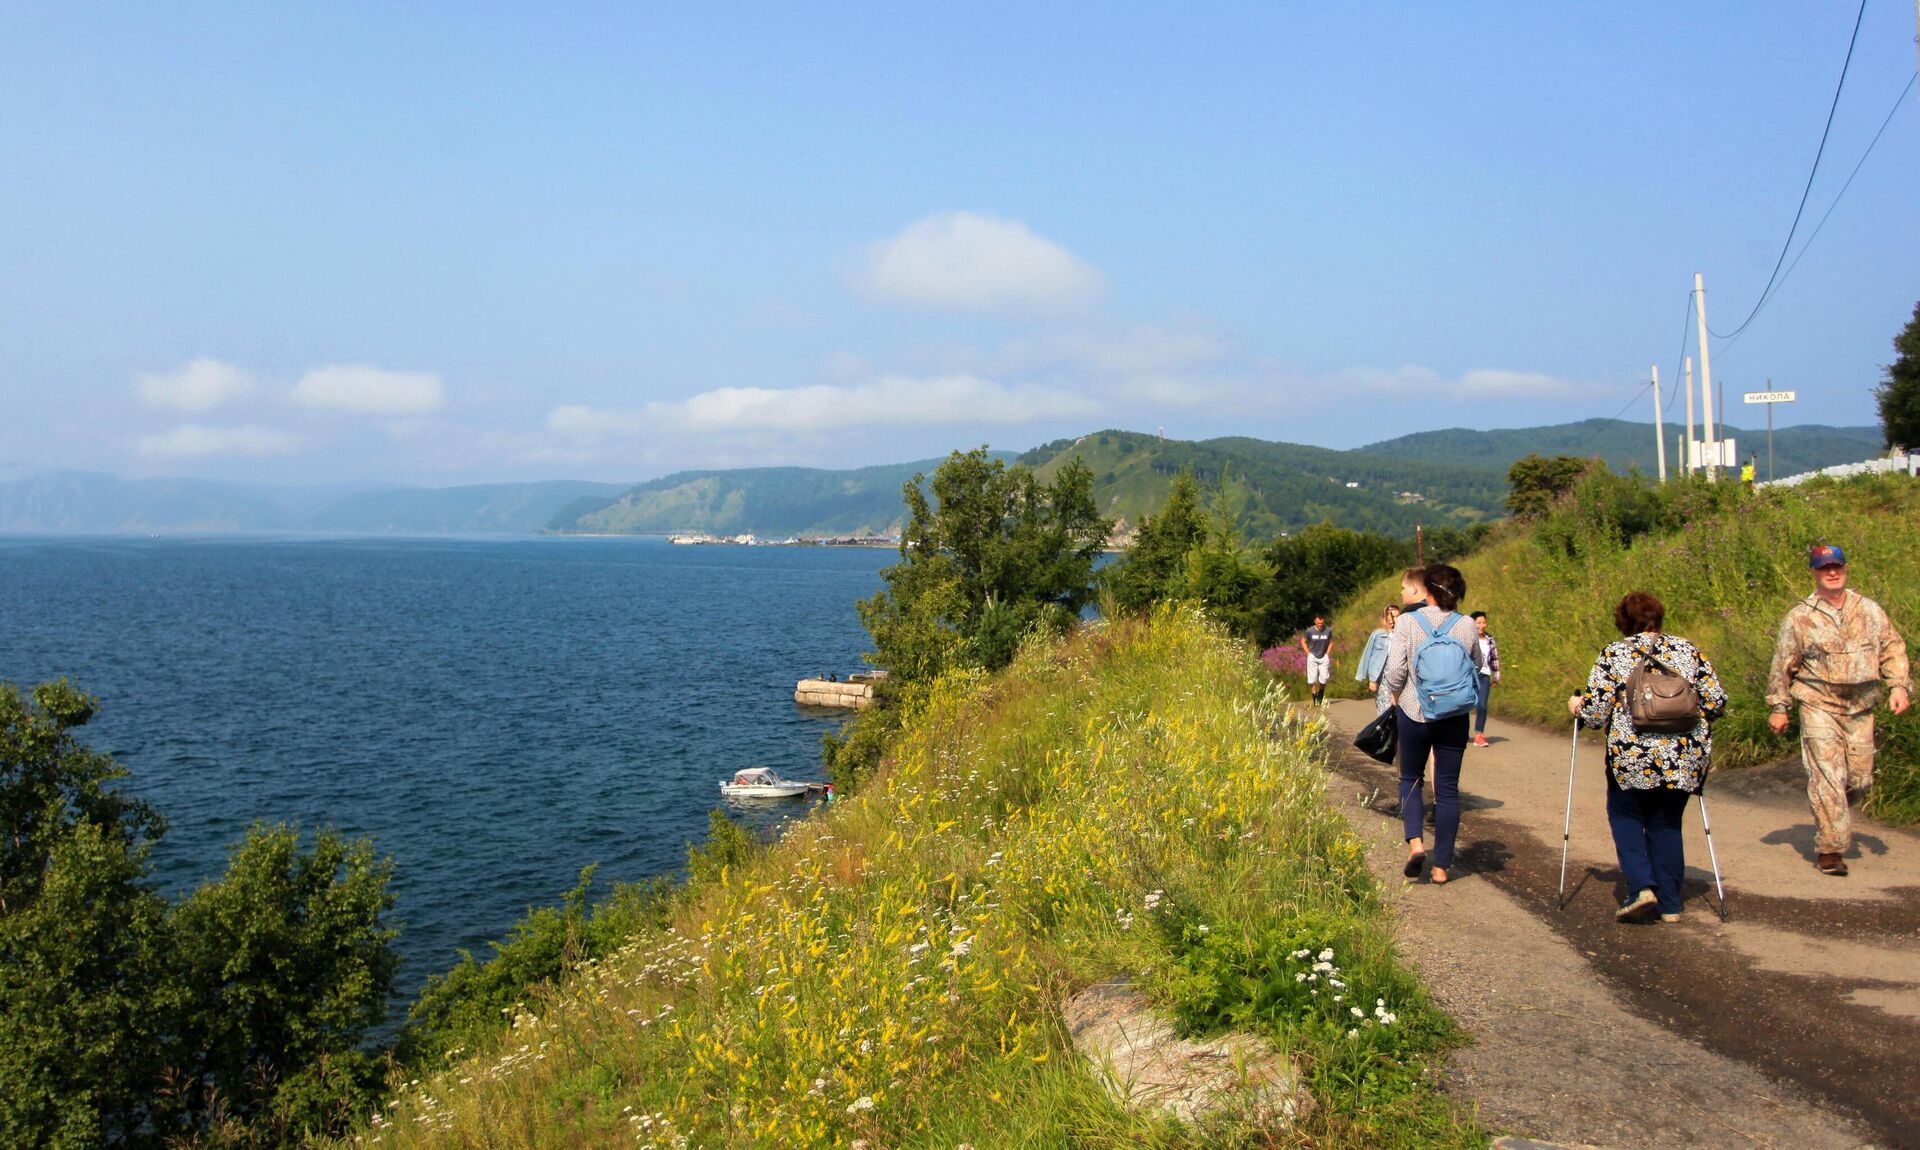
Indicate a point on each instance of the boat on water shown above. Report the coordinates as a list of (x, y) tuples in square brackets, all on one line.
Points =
[(761, 783)]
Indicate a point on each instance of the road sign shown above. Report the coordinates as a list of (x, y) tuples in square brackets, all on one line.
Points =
[(1770, 396)]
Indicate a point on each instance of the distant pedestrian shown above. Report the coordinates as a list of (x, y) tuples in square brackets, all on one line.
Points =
[(1429, 672), (1317, 642), (1649, 773), (1373, 659), (1486, 657), (1746, 473), (1836, 648)]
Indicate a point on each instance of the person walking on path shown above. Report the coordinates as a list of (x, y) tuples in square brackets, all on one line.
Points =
[(1836, 648), (1649, 775), (1444, 736), (1373, 659), (1317, 642), (1486, 655)]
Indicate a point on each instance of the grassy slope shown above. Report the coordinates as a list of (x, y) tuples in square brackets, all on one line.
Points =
[(893, 970), (1726, 580)]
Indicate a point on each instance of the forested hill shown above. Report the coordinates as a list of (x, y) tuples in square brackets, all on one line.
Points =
[(1459, 475), (1625, 445), (1285, 486), (763, 501), (1455, 477)]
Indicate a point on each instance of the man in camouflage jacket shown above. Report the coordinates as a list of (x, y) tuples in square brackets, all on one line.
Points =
[(1836, 648)]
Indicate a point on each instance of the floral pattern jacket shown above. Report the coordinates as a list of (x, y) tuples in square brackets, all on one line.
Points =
[(1652, 762)]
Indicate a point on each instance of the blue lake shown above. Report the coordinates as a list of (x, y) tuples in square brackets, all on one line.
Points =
[(495, 714)]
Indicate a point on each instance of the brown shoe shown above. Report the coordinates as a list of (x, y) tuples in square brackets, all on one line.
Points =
[(1833, 865)]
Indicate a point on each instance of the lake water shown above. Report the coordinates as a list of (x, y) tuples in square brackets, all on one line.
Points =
[(494, 714)]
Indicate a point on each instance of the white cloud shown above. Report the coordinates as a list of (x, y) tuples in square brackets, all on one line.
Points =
[(891, 401), (973, 262), (588, 424), (196, 441), (370, 390), (1141, 351), (203, 385), (1478, 384), (1525, 385)]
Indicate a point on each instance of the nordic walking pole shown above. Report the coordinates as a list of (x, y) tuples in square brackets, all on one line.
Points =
[(1705, 826), (1566, 828)]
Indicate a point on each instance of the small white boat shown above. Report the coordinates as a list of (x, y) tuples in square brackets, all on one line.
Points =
[(760, 783)]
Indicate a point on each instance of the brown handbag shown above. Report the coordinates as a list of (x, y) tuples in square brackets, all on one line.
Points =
[(1660, 702)]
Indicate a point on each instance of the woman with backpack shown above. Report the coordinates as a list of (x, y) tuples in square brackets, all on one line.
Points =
[(1431, 673), (1656, 694)]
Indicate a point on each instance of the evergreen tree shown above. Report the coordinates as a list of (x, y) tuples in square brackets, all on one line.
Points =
[(1155, 567), (1899, 392)]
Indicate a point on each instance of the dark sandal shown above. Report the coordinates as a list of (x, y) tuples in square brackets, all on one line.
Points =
[(1412, 869)]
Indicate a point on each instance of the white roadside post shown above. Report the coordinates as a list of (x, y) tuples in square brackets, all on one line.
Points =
[(1770, 398)]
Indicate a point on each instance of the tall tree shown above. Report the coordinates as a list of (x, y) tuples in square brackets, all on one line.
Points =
[(1155, 567), (1899, 391), (991, 555)]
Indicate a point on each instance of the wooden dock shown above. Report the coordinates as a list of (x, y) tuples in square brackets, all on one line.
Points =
[(833, 693)]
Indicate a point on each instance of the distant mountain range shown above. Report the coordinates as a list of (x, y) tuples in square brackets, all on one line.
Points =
[(89, 502), (1453, 476)]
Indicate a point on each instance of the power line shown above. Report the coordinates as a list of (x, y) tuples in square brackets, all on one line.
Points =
[(1686, 321), (1898, 103), (1784, 247), (1616, 415)]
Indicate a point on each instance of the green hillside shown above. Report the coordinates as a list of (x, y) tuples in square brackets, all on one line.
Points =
[(1458, 476), (1288, 486), (1625, 445), (765, 501)]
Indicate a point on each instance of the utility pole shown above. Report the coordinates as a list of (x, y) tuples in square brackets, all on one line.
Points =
[(1706, 377), (1687, 460), (1659, 436)]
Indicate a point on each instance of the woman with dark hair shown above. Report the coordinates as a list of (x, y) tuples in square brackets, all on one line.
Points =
[(1421, 734), (1649, 773)]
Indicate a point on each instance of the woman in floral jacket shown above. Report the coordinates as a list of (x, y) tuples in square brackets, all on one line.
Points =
[(1649, 776)]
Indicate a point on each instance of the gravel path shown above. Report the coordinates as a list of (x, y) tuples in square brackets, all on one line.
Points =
[(1795, 1023)]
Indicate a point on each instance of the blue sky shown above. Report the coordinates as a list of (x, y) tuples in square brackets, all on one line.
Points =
[(458, 243)]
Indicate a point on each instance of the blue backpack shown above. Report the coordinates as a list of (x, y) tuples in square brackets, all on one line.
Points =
[(1445, 677)]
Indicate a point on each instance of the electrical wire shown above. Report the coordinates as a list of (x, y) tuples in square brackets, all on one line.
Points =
[(1898, 103), (1805, 192), (1679, 360), (1585, 443)]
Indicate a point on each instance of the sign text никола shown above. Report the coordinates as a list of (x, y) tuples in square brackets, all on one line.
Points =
[(1770, 396)]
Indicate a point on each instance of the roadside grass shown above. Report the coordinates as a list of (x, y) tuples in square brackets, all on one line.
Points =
[(1727, 565), (1139, 799)]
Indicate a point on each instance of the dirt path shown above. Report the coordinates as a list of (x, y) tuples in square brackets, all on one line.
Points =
[(1795, 1023)]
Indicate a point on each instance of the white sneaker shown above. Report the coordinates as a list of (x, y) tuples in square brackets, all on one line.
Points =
[(1664, 917)]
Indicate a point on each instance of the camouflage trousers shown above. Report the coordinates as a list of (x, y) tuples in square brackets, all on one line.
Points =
[(1838, 753)]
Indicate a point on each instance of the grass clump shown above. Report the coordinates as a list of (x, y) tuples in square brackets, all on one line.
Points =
[(1137, 800), (1727, 563)]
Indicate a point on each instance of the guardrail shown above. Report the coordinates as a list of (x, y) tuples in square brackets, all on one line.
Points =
[(1904, 463)]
